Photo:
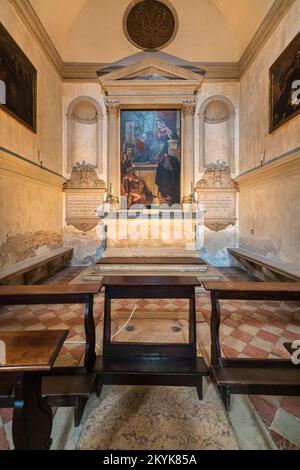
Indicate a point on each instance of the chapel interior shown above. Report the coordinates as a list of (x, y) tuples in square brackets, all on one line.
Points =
[(150, 224)]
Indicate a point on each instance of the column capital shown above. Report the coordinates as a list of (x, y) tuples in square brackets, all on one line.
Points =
[(188, 108), (113, 108)]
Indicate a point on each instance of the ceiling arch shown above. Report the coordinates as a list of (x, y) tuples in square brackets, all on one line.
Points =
[(244, 18), (209, 30)]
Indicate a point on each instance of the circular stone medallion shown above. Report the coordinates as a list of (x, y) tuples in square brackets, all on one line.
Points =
[(150, 24)]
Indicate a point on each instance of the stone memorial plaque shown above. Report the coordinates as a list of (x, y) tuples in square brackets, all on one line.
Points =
[(83, 205), (219, 205)]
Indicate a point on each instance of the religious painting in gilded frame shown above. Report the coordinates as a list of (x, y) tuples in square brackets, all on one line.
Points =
[(17, 81), (285, 85), (151, 156)]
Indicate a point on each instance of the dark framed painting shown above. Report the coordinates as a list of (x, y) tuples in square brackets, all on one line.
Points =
[(17, 81), (151, 156), (285, 85)]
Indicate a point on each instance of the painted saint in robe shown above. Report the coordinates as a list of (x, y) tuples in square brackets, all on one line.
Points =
[(168, 171)]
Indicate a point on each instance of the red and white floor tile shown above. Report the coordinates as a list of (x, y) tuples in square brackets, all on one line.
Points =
[(249, 329)]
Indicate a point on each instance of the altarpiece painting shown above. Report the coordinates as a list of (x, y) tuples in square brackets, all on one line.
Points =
[(150, 156)]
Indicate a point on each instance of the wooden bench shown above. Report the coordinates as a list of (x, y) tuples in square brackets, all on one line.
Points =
[(250, 376), (65, 386), (26, 356), (37, 268), (265, 268)]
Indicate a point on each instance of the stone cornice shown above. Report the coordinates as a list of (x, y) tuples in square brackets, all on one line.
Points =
[(283, 165), (215, 71), (74, 71), (10, 162)]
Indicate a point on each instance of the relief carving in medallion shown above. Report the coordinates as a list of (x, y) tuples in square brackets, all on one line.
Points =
[(150, 24)]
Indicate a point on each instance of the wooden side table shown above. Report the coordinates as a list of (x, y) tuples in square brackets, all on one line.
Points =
[(28, 354), (150, 363)]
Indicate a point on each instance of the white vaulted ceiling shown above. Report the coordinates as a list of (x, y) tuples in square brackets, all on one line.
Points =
[(209, 30)]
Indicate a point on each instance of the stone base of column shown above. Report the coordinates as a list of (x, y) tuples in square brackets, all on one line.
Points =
[(189, 199), (112, 199)]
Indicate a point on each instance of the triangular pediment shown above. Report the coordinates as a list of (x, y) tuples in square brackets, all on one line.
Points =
[(151, 69)]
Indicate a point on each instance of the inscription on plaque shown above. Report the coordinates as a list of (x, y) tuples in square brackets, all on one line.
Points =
[(82, 206), (219, 205)]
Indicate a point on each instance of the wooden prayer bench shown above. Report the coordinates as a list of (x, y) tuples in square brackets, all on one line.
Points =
[(63, 386), (128, 363), (265, 268), (37, 268), (243, 375)]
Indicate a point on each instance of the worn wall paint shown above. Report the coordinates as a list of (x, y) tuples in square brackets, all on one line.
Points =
[(270, 217), (31, 220), (256, 143), (15, 136), (30, 209), (269, 210)]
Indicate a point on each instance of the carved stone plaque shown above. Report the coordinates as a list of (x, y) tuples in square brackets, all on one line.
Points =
[(219, 205), (81, 209), (82, 205), (217, 192), (84, 194)]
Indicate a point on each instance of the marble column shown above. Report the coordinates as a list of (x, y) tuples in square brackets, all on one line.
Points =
[(188, 110), (113, 157)]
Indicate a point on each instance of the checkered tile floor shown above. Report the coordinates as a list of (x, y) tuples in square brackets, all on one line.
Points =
[(256, 329), (249, 329)]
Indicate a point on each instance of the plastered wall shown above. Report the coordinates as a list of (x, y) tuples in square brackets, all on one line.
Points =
[(269, 206), (30, 198), (15, 136)]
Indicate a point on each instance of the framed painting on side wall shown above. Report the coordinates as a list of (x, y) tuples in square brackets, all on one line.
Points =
[(285, 85), (17, 81)]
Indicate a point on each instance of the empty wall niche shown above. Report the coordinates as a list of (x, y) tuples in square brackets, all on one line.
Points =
[(85, 126), (217, 132)]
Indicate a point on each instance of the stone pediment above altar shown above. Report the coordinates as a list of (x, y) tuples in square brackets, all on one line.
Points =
[(149, 73)]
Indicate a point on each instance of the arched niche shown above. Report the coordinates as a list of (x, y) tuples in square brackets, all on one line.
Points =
[(217, 132), (84, 133)]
